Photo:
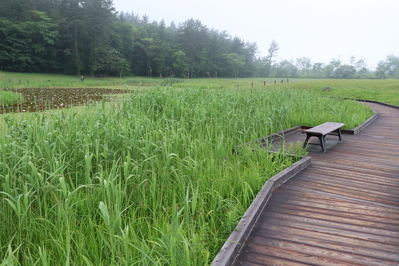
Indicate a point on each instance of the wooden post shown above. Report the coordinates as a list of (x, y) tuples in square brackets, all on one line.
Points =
[(264, 83)]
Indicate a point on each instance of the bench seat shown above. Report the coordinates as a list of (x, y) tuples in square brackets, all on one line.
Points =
[(321, 131)]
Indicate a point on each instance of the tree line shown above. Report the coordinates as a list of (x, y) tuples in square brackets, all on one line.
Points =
[(88, 37)]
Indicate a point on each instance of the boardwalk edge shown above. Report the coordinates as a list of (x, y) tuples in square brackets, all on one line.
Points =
[(365, 124), (233, 245)]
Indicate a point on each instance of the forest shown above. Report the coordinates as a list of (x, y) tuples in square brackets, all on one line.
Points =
[(90, 37)]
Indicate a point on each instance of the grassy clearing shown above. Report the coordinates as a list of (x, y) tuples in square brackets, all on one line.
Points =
[(147, 181), (40, 80), (386, 91), (377, 90)]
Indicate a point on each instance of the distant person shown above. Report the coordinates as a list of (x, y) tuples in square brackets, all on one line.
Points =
[(82, 79)]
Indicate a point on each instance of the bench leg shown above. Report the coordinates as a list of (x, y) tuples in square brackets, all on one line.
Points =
[(320, 137), (336, 133), (307, 140)]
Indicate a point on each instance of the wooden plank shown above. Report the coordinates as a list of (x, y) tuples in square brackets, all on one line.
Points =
[(312, 200), (249, 259), (309, 254), (327, 241), (333, 227), (357, 186), (371, 221), (327, 232)]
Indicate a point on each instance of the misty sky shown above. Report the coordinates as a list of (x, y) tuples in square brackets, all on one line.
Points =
[(320, 29)]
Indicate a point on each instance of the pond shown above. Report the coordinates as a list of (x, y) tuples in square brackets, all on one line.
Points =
[(40, 99)]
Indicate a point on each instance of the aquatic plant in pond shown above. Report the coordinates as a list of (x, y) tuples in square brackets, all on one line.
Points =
[(40, 99), (152, 181)]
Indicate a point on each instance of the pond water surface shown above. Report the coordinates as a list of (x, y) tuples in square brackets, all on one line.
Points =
[(40, 99)]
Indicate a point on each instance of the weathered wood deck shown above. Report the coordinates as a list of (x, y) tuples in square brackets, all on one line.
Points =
[(343, 209)]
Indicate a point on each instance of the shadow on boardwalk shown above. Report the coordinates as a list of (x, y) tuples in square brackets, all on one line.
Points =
[(343, 209)]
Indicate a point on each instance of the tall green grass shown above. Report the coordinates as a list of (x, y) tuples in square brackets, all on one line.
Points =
[(9, 98), (152, 181)]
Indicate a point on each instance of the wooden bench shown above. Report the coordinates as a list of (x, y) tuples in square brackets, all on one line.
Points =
[(321, 131)]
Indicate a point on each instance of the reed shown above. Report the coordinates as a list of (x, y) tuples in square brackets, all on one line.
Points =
[(10, 98)]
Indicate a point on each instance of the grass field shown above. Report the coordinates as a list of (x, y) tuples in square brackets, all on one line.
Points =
[(367, 89), (150, 180)]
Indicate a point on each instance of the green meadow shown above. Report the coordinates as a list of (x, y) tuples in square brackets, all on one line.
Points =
[(151, 179), (386, 90)]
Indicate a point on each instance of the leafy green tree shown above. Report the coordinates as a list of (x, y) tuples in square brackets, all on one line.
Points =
[(235, 64), (163, 49), (88, 36), (217, 47), (392, 66), (74, 36), (317, 69), (28, 45), (193, 38), (304, 66), (388, 68), (381, 71), (162, 58), (361, 67), (330, 69), (147, 48), (249, 53), (99, 18), (345, 72), (268, 61), (286, 69), (123, 44), (180, 67)]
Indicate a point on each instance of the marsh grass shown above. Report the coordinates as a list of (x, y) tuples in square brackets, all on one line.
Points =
[(148, 181), (10, 98)]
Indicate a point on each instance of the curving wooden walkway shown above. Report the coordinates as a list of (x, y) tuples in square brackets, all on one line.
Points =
[(343, 209)]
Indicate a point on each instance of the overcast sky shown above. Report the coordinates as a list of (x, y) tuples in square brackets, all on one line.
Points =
[(319, 29)]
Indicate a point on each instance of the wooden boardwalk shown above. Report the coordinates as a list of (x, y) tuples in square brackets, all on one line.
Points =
[(343, 209)]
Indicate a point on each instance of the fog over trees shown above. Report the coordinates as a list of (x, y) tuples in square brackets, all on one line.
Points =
[(91, 38)]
